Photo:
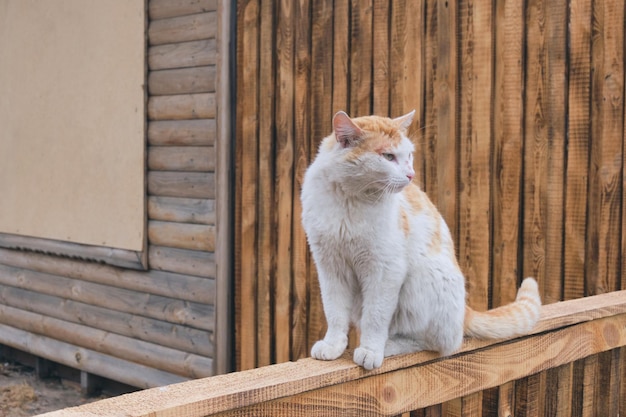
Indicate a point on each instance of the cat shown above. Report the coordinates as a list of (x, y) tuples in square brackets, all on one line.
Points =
[(384, 255)]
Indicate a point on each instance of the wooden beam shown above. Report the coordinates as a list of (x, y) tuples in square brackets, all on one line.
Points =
[(568, 331)]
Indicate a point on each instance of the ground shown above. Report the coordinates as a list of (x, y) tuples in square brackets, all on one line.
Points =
[(23, 394)]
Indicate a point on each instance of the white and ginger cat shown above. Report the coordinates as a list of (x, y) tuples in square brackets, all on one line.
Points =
[(384, 255)]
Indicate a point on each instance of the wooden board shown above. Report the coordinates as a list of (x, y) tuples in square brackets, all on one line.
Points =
[(566, 334)]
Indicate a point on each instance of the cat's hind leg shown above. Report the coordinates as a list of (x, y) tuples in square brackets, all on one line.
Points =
[(398, 345)]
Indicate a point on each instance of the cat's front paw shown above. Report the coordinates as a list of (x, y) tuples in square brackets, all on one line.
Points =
[(368, 359), (325, 351)]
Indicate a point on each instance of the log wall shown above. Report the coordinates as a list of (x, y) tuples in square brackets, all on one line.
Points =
[(154, 327), (519, 132)]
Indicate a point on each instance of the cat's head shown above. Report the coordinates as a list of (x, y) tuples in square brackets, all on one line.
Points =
[(374, 154)]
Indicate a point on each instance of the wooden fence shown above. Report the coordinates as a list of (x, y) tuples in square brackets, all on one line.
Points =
[(574, 364), (519, 136)]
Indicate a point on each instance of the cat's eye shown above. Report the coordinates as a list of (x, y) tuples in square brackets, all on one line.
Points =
[(389, 156)]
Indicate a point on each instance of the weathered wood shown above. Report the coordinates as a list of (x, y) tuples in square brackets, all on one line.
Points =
[(148, 305), (183, 28), (181, 184), (182, 81), (475, 150), (182, 261), (182, 107), (606, 153), (200, 132), (167, 284), (137, 351), (360, 75), (182, 235), (160, 9), (224, 321), (246, 177), (112, 256), (87, 360), (299, 346), (381, 53), (179, 158), (441, 156), (182, 55), (136, 327), (403, 383), (265, 168), (182, 210), (506, 164)]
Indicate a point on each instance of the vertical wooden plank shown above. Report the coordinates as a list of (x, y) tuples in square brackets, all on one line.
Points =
[(556, 88), (535, 144), (475, 85), (341, 56), (507, 149), (299, 344), (506, 399), (545, 146), (558, 396), (224, 314), (579, 125), (246, 187), (578, 375), (283, 199), (406, 72), (622, 381), (605, 183), (441, 119), (589, 382), (535, 394), (380, 54), (361, 58), (265, 193), (322, 92), (614, 387)]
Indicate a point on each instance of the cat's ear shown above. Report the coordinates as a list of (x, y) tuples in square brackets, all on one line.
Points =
[(405, 121), (346, 132)]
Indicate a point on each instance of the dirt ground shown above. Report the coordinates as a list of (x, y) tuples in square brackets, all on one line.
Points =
[(23, 394)]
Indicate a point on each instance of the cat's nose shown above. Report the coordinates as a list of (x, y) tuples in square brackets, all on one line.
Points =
[(410, 176)]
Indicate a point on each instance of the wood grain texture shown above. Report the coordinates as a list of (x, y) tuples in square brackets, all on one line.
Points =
[(182, 81), (120, 323), (187, 158), (475, 150), (183, 210), (182, 55), (579, 123), (182, 235), (160, 9), (133, 350), (181, 184), (182, 107), (183, 28), (404, 383), (199, 132), (506, 166), (246, 188)]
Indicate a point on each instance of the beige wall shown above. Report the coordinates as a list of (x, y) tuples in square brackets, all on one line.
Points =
[(72, 120)]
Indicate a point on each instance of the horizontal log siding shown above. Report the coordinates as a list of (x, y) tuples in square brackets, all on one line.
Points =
[(144, 328)]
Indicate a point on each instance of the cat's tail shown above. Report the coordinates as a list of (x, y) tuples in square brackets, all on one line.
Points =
[(515, 319)]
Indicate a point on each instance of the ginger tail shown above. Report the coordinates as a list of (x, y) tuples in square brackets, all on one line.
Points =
[(515, 319)]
